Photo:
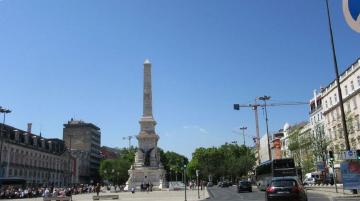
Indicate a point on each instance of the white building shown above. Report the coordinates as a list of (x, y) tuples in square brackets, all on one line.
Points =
[(350, 88), (34, 159), (316, 120), (285, 141), (264, 153)]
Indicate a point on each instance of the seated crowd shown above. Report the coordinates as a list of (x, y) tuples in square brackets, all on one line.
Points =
[(16, 192)]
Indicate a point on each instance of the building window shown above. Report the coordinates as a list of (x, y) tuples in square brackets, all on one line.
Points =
[(346, 90), (331, 101), (340, 130), (335, 98), (358, 79), (352, 86), (353, 142), (354, 102), (357, 122), (336, 113), (348, 107), (326, 104), (334, 133)]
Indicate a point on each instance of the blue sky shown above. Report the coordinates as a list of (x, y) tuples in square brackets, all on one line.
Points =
[(83, 59)]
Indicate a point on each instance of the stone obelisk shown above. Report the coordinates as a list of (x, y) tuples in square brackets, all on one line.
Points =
[(147, 168)]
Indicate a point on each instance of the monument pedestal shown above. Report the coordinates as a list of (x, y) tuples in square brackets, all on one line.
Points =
[(153, 175)]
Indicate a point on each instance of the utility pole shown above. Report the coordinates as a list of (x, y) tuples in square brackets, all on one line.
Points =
[(265, 98), (243, 129), (257, 131)]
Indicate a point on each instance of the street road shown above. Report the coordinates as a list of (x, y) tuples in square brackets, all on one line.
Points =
[(230, 194)]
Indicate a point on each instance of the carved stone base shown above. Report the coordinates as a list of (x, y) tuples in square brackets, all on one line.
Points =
[(153, 175)]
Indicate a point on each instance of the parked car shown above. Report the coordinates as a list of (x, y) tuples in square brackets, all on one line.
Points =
[(224, 184), (285, 188), (244, 186), (308, 181), (210, 184)]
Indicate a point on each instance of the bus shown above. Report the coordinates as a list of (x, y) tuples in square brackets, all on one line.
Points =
[(274, 168)]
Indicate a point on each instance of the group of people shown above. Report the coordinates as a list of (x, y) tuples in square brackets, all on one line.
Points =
[(146, 186), (16, 192), (193, 184)]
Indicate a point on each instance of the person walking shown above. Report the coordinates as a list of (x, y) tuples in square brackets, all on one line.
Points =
[(97, 189)]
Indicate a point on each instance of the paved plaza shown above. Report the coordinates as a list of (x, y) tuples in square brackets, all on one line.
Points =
[(192, 195)]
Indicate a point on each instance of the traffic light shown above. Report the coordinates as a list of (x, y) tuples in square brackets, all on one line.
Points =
[(331, 155), (236, 107), (358, 154)]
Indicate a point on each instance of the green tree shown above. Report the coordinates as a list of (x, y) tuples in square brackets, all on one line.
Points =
[(320, 143), (229, 161), (173, 163), (300, 146), (116, 170)]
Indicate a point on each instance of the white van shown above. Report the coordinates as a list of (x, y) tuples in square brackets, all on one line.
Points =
[(311, 178)]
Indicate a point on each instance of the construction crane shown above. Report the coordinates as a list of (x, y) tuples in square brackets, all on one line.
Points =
[(129, 138), (255, 106)]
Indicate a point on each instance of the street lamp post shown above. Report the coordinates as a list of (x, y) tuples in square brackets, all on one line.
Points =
[(243, 129), (105, 172), (265, 98), (185, 181), (118, 178), (170, 174), (4, 111), (113, 171), (198, 184), (70, 169), (343, 119)]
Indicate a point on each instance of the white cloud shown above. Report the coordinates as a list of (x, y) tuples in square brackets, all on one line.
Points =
[(198, 128)]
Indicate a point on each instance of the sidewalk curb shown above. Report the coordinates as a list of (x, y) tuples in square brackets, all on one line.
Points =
[(334, 195), (210, 194)]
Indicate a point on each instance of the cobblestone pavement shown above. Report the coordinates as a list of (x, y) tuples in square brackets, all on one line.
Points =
[(192, 195)]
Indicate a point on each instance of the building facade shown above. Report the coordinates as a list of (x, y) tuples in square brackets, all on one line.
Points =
[(84, 140), (350, 88), (109, 153), (264, 151), (294, 132), (285, 141), (37, 160), (316, 117)]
